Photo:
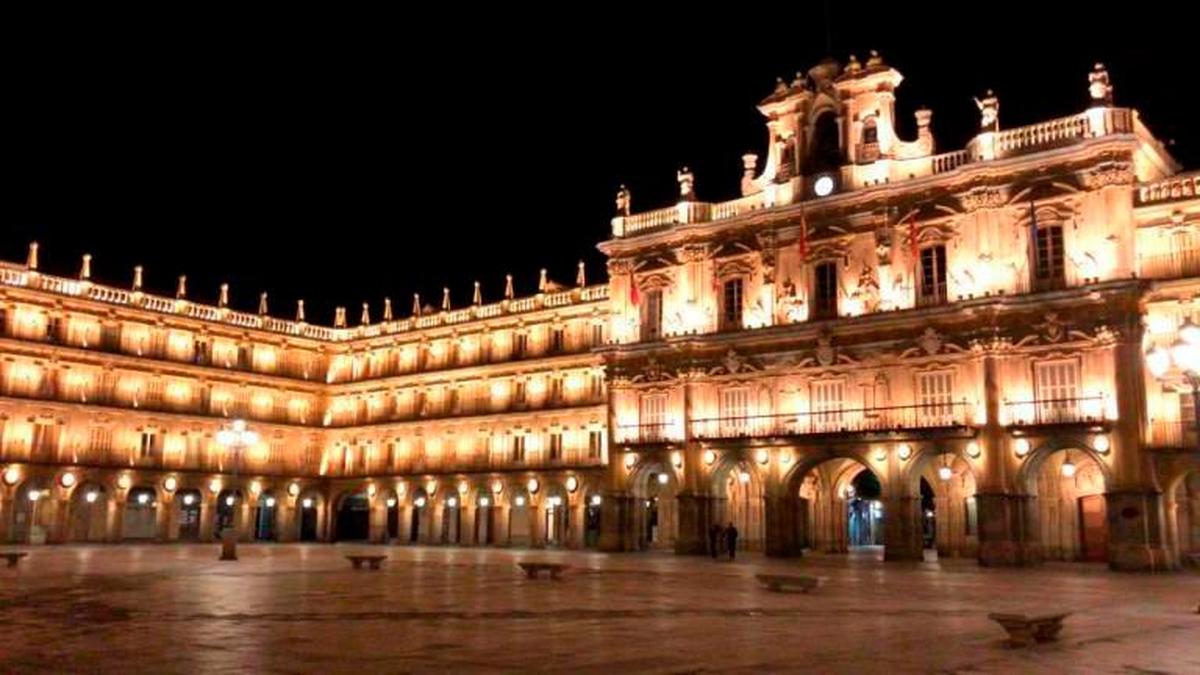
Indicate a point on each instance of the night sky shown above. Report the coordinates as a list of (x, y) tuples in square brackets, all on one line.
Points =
[(342, 159)]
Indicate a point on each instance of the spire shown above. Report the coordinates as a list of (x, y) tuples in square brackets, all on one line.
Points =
[(542, 285), (508, 289), (32, 261), (581, 276), (300, 311), (85, 270), (223, 300), (262, 303), (137, 277), (181, 288), (445, 299), (339, 317), (477, 297), (416, 310), (365, 319), (387, 309)]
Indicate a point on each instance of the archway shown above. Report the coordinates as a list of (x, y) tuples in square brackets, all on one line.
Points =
[(420, 504), (520, 531), (189, 505), (592, 520), (228, 511), (1068, 486), (840, 506), (738, 499), (140, 519), (89, 513), (948, 507), (556, 517), (451, 518), (391, 504), (825, 145), (485, 507), (1183, 517), (655, 488), (310, 516), (353, 520), (265, 515), (32, 513)]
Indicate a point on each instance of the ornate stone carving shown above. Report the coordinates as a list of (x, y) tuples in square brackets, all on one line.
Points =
[(825, 353), (1052, 329), (1113, 173), (692, 253), (981, 198), (654, 372), (883, 245), (989, 112), (624, 201), (930, 341)]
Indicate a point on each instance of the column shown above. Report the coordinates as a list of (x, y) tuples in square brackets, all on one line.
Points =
[(617, 523), (902, 536), (781, 516), (575, 522), (287, 528), (466, 524)]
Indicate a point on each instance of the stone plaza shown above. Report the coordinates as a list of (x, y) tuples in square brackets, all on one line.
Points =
[(296, 608)]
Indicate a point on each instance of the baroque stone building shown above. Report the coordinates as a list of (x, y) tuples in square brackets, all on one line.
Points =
[(989, 351)]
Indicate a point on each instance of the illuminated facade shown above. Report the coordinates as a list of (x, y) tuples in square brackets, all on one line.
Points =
[(981, 351)]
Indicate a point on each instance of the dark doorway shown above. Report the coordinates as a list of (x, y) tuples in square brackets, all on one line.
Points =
[(354, 518), (928, 516), (308, 519), (264, 518), (591, 524), (189, 515), (393, 519)]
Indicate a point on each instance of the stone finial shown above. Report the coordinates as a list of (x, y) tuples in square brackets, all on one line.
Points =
[(853, 67), (477, 297), (445, 299), (687, 184), (508, 287), (416, 310), (137, 277), (924, 117), (749, 165), (874, 60), (989, 112), (339, 317), (223, 299), (181, 287), (800, 81), (1099, 86), (581, 275), (365, 319), (299, 311), (387, 309), (262, 304), (85, 270), (32, 261), (780, 86), (624, 201), (542, 283)]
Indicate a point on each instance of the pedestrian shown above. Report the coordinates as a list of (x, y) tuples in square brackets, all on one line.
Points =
[(714, 538), (731, 535)]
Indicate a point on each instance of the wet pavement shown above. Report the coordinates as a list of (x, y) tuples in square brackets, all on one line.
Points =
[(302, 609)]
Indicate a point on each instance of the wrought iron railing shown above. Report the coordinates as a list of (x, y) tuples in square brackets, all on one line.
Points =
[(1077, 410), (834, 421)]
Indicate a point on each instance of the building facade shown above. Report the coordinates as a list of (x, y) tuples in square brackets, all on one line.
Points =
[(990, 352)]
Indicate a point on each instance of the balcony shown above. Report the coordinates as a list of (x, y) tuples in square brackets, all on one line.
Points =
[(1174, 265), (1174, 435), (1039, 412), (887, 419)]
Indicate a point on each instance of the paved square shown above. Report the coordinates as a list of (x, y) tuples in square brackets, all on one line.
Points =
[(301, 608)]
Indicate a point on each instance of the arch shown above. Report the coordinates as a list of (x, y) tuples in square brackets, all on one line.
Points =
[(955, 520), (1068, 508), (737, 490), (556, 522), (91, 504), (189, 513), (389, 501), (311, 513), (451, 516), (139, 519), (486, 509), (825, 153), (834, 513), (520, 530), (266, 516), (1182, 506), (655, 487), (229, 511), (32, 512), (351, 517), (593, 515), (418, 525)]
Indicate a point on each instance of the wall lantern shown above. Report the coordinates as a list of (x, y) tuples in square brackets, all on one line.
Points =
[(294, 489), (1100, 443), (1022, 447), (67, 480), (11, 475), (171, 483), (532, 486), (572, 483), (630, 460), (710, 457), (904, 451), (972, 449), (124, 482)]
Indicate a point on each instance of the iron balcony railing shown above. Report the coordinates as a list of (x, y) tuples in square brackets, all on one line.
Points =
[(1175, 435), (1174, 265), (1077, 410)]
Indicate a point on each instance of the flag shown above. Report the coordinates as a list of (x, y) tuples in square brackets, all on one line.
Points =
[(1033, 230), (913, 242), (634, 299), (803, 237)]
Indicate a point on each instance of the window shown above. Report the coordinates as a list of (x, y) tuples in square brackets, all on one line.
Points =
[(520, 345), (53, 329), (595, 444), (734, 411), (597, 334), (518, 448), (556, 340), (651, 320), (1057, 390), (597, 386), (556, 389), (827, 405), (452, 401), (148, 445), (653, 417), (870, 131), (731, 305), (932, 290), (935, 396), (556, 446), (391, 455), (825, 305), (1048, 260), (519, 392)]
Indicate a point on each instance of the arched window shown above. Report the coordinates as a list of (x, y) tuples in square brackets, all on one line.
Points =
[(870, 133), (825, 149)]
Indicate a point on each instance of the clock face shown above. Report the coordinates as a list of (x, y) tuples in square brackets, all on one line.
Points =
[(823, 187)]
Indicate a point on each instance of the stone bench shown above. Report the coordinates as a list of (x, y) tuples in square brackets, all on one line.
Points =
[(1025, 630), (373, 560), (13, 557), (794, 582), (533, 568)]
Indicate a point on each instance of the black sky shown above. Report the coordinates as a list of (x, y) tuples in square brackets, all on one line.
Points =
[(342, 159)]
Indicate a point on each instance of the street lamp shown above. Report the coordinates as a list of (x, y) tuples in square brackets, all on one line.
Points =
[(234, 439), (1184, 355)]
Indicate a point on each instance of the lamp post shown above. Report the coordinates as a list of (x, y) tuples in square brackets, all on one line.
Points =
[(1184, 355), (234, 439)]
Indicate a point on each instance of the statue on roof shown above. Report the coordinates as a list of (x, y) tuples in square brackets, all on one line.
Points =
[(623, 201), (687, 184), (853, 67), (1099, 86), (875, 60), (989, 112)]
